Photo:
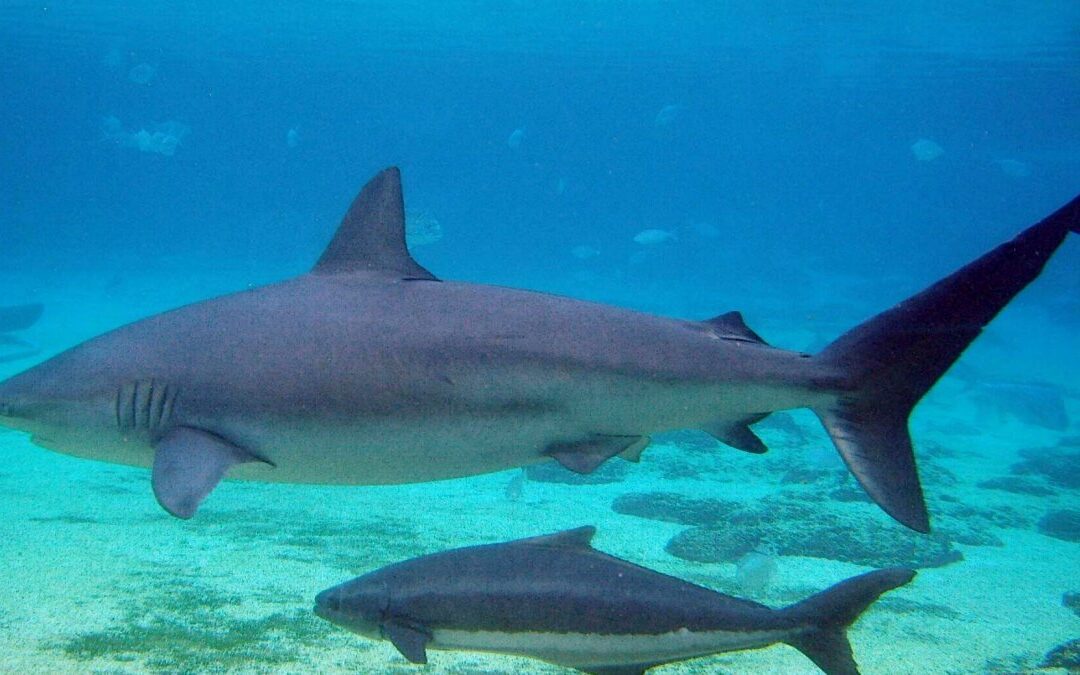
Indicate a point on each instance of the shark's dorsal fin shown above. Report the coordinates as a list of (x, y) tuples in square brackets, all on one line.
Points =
[(578, 538), (730, 326), (371, 237)]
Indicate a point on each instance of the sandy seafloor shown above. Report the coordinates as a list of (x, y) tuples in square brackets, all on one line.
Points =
[(97, 578)]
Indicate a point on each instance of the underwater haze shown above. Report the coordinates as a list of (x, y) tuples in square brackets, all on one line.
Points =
[(808, 164)]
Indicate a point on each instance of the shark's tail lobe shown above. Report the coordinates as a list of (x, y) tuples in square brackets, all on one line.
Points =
[(888, 363), (829, 613)]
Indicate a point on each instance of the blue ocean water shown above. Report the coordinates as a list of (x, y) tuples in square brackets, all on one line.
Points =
[(806, 165)]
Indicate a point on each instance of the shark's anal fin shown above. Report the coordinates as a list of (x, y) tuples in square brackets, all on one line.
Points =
[(409, 640), (188, 465), (371, 237), (737, 433), (585, 455)]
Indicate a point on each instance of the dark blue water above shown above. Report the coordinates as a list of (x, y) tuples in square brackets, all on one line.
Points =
[(775, 146)]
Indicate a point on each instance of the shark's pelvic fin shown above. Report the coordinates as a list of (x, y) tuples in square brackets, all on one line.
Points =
[(188, 465), (371, 237), (737, 433), (585, 455), (409, 640), (889, 362), (633, 453)]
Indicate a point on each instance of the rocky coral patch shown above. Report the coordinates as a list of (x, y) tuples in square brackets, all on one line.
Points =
[(792, 528), (1062, 524), (674, 508), (1066, 655), (1059, 466)]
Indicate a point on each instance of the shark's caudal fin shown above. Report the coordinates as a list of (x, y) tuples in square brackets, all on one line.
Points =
[(830, 612), (889, 362)]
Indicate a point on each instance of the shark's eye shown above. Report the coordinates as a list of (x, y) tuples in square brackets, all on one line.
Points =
[(6, 410)]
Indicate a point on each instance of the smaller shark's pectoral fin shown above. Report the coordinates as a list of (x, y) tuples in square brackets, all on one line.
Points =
[(409, 640), (585, 455), (188, 465)]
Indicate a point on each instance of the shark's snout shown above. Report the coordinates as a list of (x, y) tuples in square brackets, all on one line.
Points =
[(327, 604)]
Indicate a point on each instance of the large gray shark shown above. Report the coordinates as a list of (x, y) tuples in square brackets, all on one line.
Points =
[(558, 599), (370, 370)]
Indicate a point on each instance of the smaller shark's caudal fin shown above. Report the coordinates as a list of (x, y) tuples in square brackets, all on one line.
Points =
[(888, 363), (828, 614)]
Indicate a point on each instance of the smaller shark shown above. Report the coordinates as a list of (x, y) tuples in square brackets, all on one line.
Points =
[(558, 599)]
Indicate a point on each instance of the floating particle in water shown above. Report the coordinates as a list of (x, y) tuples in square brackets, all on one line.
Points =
[(161, 139), (668, 115), (925, 150), (1013, 167), (516, 138), (1033, 403), (516, 487), (652, 237), (755, 571), (143, 73), (584, 252), (560, 186), (292, 137), (705, 230), (421, 228)]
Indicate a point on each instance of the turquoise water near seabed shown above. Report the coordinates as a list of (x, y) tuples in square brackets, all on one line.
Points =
[(807, 166)]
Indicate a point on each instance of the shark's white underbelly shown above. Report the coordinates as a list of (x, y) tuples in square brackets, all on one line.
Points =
[(394, 452)]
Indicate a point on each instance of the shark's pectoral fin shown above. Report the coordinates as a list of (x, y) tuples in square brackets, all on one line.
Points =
[(409, 640), (188, 464), (585, 455), (737, 433)]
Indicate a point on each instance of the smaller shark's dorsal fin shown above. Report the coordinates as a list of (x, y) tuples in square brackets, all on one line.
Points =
[(730, 326), (371, 237), (578, 538)]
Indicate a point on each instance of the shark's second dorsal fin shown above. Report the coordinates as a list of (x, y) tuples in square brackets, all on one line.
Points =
[(579, 537), (730, 326), (371, 237)]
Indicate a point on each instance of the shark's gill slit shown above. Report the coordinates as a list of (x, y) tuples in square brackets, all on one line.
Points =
[(167, 406), (135, 405), (157, 405)]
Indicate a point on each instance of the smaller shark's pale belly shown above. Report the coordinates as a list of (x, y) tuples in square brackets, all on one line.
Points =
[(581, 650)]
